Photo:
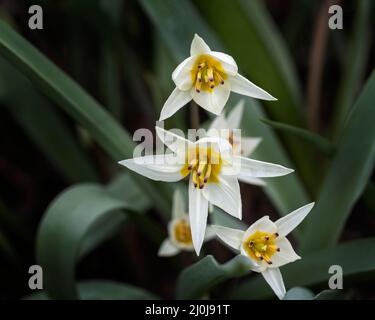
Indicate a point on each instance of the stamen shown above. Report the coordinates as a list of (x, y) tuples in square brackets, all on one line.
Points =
[(276, 234), (201, 167), (208, 173), (201, 65), (199, 76), (220, 78), (278, 249), (192, 164), (266, 238), (212, 86), (195, 179), (198, 85), (210, 74)]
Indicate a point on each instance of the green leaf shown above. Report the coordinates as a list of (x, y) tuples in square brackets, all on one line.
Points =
[(355, 257), (310, 137), (347, 175), (199, 278), (103, 290), (45, 127), (299, 293), (354, 66), (72, 216), (76, 102)]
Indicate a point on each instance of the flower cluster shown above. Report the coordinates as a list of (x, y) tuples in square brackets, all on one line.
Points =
[(214, 165)]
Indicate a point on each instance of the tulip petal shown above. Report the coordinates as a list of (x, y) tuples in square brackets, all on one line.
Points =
[(156, 167), (219, 123), (241, 85), (210, 233), (198, 211), (285, 255), (263, 224), (287, 223), (232, 237), (275, 280), (198, 46), (174, 142), (234, 117), (227, 62), (182, 74), (167, 249), (212, 101), (225, 194), (175, 102), (178, 205), (248, 145), (259, 169), (254, 181)]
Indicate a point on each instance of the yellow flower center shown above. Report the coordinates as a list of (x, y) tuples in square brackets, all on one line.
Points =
[(204, 163), (182, 232), (261, 246), (207, 73)]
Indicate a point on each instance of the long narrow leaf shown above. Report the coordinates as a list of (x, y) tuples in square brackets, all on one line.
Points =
[(347, 175), (310, 137), (76, 102), (45, 127), (206, 273), (65, 225), (354, 67)]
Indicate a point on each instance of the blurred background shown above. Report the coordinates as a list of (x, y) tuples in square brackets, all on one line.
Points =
[(122, 53)]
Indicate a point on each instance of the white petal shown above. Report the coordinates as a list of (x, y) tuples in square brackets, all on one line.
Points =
[(210, 233), (212, 101), (219, 144), (254, 181), (232, 237), (156, 167), (259, 169), (227, 62), (241, 85), (234, 118), (178, 205), (248, 145), (174, 142), (275, 280), (167, 249), (175, 102), (182, 74), (286, 254), (287, 223), (198, 46), (263, 224), (198, 211), (219, 123), (225, 194)]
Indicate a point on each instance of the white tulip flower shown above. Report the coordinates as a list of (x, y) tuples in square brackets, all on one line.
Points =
[(179, 232), (266, 245), (213, 171), (224, 126), (208, 77)]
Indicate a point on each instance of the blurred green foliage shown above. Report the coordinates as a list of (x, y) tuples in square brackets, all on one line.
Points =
[(101, 69)]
